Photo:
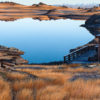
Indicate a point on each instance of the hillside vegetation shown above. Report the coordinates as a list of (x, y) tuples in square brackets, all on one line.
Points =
[(56, 82)]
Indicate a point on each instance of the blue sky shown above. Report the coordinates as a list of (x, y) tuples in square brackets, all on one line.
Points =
[(30, 2)]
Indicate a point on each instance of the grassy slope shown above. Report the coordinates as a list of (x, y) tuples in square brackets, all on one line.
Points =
[(51, 83)]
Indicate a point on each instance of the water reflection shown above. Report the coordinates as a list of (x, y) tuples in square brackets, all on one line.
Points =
[(13, 17)]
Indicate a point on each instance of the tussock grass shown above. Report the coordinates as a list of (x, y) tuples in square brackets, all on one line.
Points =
[(71, 65), (51, 84), (5, 90), (51, 93), (41, 66), (81, 69), (15, 76), (81, 89), (35, 84), (25, 94), (53, 74), (73, 68), (28, 84)]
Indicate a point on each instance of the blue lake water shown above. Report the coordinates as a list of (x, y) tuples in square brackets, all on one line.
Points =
[(44, 41)]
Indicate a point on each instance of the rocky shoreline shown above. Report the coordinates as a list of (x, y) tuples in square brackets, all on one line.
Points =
[(11, 57)]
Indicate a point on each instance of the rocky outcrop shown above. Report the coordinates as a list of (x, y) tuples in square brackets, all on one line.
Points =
[(93, 24), (9, 3), (38, 5), (11, 56)]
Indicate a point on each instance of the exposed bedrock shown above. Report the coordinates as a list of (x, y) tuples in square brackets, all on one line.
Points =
[(11, 57)]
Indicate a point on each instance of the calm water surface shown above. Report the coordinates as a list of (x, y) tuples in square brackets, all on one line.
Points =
[(44, 41)]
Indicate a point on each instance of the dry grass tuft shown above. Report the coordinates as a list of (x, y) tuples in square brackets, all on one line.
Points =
[(52, 84), (25, 94), (81, 89), (51, 93), (5, 90), (71, 65), (81, 70), (57, 81), (15, 76), (36, 84), (28, 84)]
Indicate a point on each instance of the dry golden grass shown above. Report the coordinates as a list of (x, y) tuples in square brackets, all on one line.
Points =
[(51, 66), (15, 76), (80, 69), (5, 90), (81, 89), (65, 68), (51, 84), (25, 94), (51, 73), (51, 93), (43, 66), (71, 65), (36, 84), (28, 84), (77, 90), (34, 71)]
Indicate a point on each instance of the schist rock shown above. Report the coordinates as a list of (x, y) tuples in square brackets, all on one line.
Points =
[(11, 56)]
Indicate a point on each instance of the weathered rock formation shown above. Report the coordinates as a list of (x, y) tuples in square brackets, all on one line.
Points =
[(11, 56)]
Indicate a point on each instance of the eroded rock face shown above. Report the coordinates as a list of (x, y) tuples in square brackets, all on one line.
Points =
[(11, 56)]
